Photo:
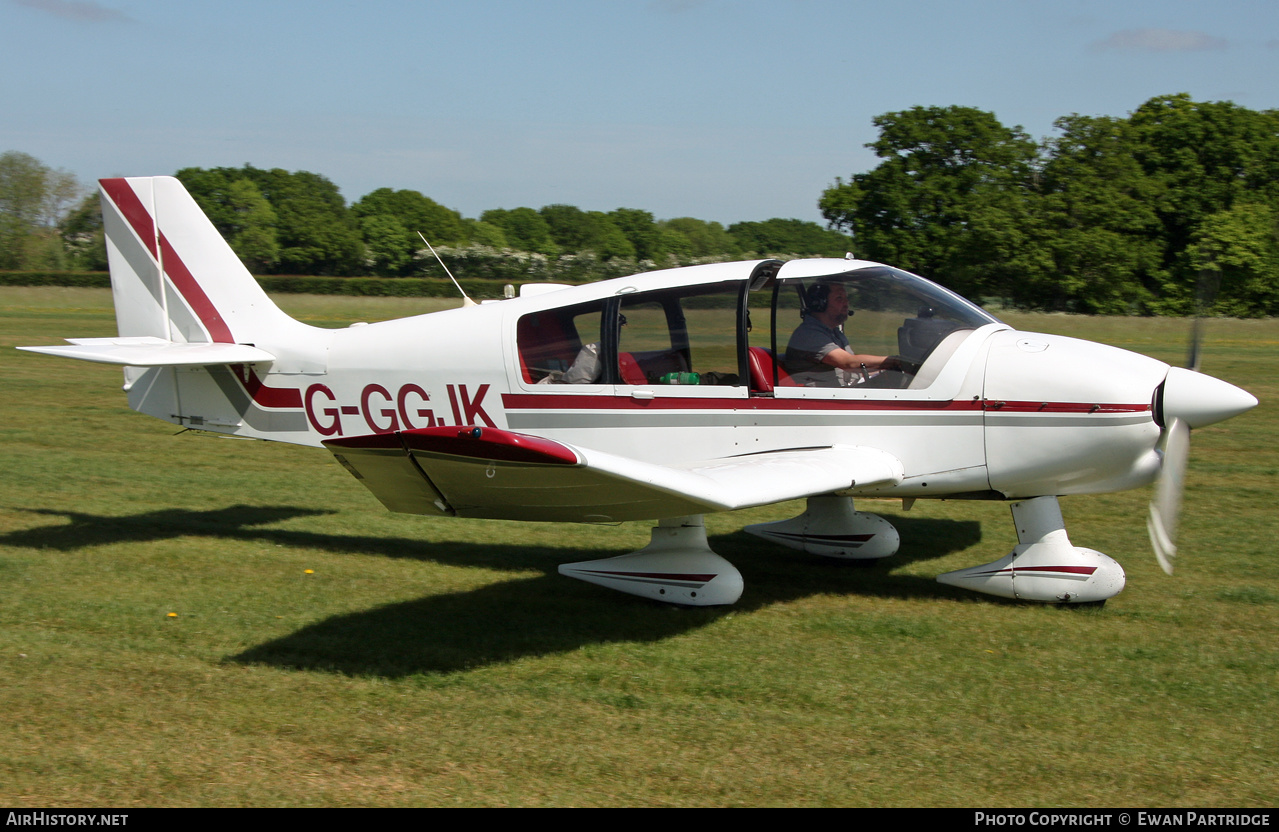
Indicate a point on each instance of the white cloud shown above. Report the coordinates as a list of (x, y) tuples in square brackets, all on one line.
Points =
[(1159, 40), (76, 10)]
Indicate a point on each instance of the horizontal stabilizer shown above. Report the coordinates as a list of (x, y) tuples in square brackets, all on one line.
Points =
[(488, 472), (149, 351)]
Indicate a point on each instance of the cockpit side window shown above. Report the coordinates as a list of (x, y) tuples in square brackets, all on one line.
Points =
[(874, 327)]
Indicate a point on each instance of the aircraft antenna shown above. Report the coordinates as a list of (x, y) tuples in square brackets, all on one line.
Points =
[(466, 300)]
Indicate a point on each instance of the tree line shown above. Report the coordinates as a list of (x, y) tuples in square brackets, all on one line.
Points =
[(39, 227), (1136, 214), (297, 223), (1112, 215)]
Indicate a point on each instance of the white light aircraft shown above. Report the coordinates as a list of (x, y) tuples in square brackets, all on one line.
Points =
[(654, 397)]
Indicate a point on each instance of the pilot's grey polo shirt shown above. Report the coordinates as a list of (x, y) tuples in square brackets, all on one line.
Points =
[(809, 344)]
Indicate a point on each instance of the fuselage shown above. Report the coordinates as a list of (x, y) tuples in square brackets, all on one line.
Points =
[(986, 411)]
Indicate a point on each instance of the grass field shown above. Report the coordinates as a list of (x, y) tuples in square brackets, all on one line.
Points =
[(192, 621)]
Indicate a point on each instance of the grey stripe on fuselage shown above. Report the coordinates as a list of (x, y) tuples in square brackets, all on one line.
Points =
[(254, 416), (1087, 420), (734, 418)]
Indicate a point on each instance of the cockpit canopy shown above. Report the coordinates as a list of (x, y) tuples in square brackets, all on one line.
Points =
[(889, 313), (734, 333)]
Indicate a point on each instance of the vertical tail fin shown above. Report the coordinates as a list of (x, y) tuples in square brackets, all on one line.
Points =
[(202, 343), (173, 276)]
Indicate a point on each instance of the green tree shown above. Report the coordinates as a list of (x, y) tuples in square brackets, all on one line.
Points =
[(388, 245), (253, 232), (794, 237), (1239, 247), (575, 230), (607, 240), (83, 235), (1201, 159), (210, 188), (699, 238), (524, 228), (236, 206), (952, 199), (314, 231), (569, 226), (317, 233), (416, 212), (33, 200), (480, 233), (1098, 223), (641, 230)]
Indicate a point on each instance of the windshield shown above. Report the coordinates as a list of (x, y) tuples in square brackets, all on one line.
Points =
[(869, 327)]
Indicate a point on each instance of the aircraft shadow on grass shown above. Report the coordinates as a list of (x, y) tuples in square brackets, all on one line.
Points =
[(505, 621), (85, 530)]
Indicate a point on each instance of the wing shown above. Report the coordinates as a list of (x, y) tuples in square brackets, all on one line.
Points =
[(149, 351), (488, 472)]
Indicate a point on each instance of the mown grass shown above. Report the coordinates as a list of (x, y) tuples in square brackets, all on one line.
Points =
[(444, 662)]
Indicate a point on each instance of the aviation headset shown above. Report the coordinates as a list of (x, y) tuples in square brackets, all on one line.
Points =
[(815, 298)]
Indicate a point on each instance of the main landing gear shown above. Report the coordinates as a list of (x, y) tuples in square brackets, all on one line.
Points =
[(831, 527), (678, 566)]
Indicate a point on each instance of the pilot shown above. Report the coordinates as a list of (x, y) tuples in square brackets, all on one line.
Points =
[(818, 354)]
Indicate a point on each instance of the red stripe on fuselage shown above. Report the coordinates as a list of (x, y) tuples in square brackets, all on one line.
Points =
[(1064, 407), (143, 224), (262, 395)]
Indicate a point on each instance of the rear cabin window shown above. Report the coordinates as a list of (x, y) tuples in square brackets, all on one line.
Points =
[(681, 336), (562, 346), (687, 335)]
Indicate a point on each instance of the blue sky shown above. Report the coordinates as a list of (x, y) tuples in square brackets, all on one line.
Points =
[(724, 110)]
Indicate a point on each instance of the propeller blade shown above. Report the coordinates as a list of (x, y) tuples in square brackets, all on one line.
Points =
[(1165, 509), (1193, 354), (1206, 289)]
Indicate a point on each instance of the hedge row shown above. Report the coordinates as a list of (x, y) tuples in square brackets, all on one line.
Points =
[(397, 287), (89, 280)]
